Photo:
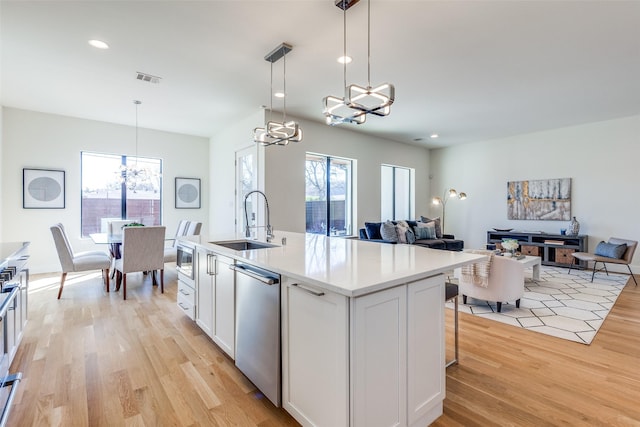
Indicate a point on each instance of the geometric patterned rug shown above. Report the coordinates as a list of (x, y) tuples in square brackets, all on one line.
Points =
[(563, 305)]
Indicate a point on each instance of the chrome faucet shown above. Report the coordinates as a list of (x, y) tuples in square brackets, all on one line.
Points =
[(247, 228)]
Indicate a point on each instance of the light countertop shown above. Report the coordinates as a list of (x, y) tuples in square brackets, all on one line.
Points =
[(350, 267)]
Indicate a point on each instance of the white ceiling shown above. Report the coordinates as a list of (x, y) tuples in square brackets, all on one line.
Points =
[(468, 70)]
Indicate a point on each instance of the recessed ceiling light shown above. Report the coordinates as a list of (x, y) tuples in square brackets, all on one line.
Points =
[(279, 95), (434, 136), (345, 59), (99, 44)]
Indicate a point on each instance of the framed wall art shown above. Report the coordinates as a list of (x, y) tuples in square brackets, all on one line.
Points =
[(544, 199), (187, 193), (43, 189)]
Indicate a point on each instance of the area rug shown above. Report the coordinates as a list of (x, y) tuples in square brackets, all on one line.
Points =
[(567, 306)]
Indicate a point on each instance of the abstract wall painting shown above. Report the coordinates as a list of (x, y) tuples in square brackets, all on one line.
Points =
[(544, 199)]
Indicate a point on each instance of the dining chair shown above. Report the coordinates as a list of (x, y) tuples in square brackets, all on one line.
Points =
[(76, 262), (142, 250), (185, 228)]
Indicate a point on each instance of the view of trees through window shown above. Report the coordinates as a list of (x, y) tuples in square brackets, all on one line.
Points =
[(109, 192), (328, 182)]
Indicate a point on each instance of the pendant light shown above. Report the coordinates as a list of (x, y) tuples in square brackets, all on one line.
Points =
[(278, 133), (133, 176), (358, 100)]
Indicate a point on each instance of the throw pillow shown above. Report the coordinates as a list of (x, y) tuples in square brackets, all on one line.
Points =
[(427, 229), (401, 229), (611, 250), (420, 232), (388, 231), (373, 230), (411, 238), (437, 223)]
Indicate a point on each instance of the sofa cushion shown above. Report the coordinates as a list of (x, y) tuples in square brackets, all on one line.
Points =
[(431, 243), (373, 230), (388, 231), (611, 250), (453, 244), (437, 223)]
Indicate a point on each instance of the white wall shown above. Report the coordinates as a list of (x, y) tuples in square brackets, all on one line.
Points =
[(283, 171), (224, 145), (39, 140), (600, 158)]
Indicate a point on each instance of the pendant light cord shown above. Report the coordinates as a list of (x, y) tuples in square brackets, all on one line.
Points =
[(344, 45), (271, 93), (284, 86), (369, 43)]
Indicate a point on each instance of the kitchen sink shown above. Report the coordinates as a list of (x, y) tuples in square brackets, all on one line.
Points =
[(244, 245)]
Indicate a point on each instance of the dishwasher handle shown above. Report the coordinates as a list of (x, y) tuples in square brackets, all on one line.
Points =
[(267, 280)]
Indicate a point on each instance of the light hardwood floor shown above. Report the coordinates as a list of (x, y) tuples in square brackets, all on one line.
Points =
[(92, 359)]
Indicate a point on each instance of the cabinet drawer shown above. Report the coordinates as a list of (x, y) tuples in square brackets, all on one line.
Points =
[(187, 306), (530, 250), (563, 256), (187, 293)]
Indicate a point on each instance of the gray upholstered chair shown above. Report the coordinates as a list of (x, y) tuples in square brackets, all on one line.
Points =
[(185, 228), (81, 261), (142, 250), (625, 260)]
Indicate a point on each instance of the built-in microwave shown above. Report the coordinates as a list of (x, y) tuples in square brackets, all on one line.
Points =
[(184, 260)]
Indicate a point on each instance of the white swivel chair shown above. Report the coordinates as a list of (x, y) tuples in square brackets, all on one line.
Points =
[(505, 283), (142, 250), (185, 228), (80, 261)]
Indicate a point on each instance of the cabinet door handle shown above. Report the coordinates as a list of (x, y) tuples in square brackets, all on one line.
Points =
[(211, 265), (183, 307), (184, 293), (311, 291)]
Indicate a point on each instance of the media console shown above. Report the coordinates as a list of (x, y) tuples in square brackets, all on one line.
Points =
[(554, 249)]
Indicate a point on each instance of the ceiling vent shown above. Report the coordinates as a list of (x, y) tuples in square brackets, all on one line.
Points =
[(147, 77)]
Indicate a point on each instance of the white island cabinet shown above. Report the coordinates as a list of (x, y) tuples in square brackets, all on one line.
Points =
[(215, 295), (378, 357), (362, 326), (315, 354)]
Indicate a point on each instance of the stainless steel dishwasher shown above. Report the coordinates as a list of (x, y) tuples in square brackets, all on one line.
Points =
[(258, 328)]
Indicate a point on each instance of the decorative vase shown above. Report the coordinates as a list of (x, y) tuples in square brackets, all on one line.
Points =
[(574, 227)]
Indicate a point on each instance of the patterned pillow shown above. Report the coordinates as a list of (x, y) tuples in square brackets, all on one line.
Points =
[(421, 232), (411, 238), (401, 229), (388, 231), (429, 229), (438, 226)]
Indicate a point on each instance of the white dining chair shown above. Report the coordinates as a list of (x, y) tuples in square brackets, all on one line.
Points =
[(81, 261), (142, 250)]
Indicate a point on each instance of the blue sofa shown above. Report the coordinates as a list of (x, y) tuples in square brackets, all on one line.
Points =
[(371, 232)]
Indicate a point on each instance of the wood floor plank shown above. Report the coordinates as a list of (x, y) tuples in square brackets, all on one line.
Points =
[(92, 359)]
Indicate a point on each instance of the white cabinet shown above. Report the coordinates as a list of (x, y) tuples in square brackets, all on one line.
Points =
[(187, 298), (379, 346), (315, 385), (205, 284), (215, 296), (374, 360), (224, 323)]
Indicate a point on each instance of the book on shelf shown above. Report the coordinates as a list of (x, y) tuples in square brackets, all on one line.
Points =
[(554, 242)]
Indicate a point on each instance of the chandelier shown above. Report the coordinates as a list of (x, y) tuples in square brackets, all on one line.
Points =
[(134, 176), (358, 101), (278, 133)]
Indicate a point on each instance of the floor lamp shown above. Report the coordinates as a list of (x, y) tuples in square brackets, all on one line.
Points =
[(448, 194)]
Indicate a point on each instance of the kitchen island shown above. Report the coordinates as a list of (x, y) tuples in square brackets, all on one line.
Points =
[(362, 325)]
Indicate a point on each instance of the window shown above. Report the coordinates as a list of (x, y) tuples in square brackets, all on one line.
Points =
[(106, 195), (397, 193), (328, 195)]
